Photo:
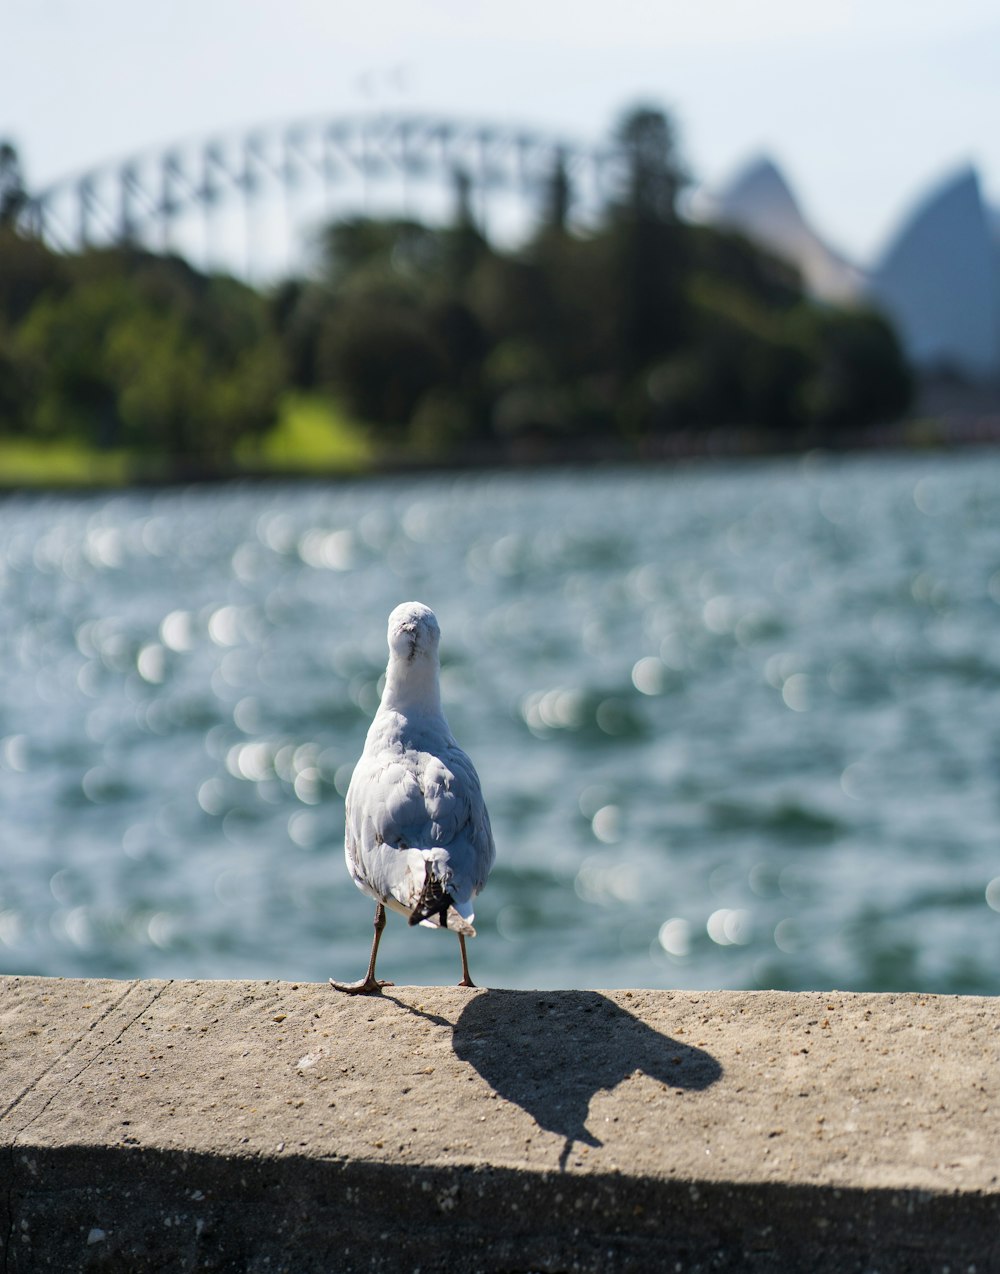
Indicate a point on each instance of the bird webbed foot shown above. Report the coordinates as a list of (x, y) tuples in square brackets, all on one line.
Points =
[(364, 986)]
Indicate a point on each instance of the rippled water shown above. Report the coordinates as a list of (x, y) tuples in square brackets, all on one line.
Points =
[(738, 726)]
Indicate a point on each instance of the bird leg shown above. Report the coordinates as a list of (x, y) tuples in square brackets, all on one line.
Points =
[(466, 978), (369, 982)]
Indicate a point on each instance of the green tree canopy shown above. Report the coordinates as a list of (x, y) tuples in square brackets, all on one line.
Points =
[(143, 351)]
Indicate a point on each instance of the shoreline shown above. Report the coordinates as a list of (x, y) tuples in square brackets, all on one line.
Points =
[(918, 435)]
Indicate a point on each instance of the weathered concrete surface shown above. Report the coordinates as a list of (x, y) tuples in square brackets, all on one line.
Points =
[(272, 1126)]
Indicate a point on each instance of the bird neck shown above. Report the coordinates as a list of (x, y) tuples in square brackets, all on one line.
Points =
[(412, 686)]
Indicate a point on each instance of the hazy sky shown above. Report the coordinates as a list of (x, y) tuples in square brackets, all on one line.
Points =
[(863, 103)]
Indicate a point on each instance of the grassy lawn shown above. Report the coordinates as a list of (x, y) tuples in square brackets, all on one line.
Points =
[(312, 435), (31, 462)]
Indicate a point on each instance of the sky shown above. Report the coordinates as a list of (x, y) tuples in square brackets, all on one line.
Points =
[(864, 104)]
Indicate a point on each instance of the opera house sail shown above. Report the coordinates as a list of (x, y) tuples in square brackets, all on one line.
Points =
[(940, 283), (759, 202)]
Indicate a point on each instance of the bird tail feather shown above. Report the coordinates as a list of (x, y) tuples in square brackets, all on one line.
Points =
[(436, 907)]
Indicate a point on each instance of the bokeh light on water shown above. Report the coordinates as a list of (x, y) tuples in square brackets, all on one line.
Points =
[(737, 725)]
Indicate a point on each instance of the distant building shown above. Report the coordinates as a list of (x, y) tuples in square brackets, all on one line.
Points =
[(759, 203), (940, 282), (939, 279)]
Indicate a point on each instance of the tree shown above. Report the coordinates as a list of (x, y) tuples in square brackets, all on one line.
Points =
[(652, 246), (13, 195), (143, 351), (862, 377), (28, 270), (382, 358), (654, 176), (558, 196)]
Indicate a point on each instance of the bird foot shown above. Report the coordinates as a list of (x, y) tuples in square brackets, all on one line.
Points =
[(366, 986), (467, 982)]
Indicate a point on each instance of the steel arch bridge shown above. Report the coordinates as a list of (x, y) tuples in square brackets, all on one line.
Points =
[(347, 161)]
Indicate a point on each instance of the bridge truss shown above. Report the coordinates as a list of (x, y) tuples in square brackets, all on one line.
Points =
[(275, 181)]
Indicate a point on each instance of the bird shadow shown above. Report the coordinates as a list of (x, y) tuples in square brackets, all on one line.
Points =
[(550, 1052)]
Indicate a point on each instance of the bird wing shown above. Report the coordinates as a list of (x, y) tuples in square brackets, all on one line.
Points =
[(461, 816), (405, 799)]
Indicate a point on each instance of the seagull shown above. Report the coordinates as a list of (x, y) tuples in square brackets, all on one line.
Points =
[(417, 836)]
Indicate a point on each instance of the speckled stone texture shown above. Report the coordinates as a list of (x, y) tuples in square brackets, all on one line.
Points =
[(268, 1126)]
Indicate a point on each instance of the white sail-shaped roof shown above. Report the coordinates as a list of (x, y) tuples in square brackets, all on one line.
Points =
[(939, 281), (759, 203)]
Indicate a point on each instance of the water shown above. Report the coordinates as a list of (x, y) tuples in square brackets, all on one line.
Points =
[(738, 726)]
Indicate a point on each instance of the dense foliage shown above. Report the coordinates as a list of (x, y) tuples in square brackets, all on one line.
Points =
[(122, 348), (646, 331)]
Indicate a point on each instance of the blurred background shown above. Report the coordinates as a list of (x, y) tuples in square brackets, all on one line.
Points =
[(660, 354)]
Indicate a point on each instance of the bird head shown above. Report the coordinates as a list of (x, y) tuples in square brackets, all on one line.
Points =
[(413, 632)]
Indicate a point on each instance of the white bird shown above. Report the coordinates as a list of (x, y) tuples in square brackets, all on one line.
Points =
[(417, 835)]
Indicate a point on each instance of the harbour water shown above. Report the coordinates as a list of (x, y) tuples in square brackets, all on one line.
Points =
[(738, 725)]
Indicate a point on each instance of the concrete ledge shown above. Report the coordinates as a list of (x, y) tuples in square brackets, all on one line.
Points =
[(268, 1126)]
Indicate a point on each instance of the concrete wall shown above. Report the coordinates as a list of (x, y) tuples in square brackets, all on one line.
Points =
[(269, 1126)]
